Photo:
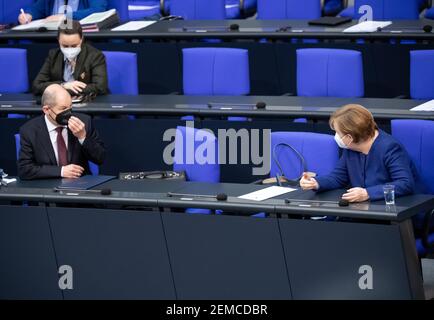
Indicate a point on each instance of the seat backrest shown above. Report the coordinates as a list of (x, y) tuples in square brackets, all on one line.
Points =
[(196, 153), (13, 63), (121, 7), (330, 73), (389, 9), (11, 9), (216, 71), (319, 151), (417, 137), (289, 9), (199, 9), (122, 72), (422, 74)]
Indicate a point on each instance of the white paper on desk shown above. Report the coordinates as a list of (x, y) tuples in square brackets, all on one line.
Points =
[(266, 193), (134, 25), (427, 106), (36, 24), (9, 180), (367, 26)]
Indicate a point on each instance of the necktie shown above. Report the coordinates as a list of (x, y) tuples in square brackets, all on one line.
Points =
[(62, 152)]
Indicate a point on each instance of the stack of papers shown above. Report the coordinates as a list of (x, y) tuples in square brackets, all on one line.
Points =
[(266, 193), (100, 20), (367, 26), (427, 106), (97, 17)]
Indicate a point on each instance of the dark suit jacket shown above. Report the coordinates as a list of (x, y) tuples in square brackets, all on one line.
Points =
[(91, 69), (37, 159)]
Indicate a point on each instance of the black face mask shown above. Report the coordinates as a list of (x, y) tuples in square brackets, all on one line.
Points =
[(63, 117)]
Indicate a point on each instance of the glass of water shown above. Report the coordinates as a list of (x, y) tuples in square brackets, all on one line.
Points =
[(389, 194)]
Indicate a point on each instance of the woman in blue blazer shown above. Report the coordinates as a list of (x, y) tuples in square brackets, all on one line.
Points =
[(42, 9), (370, 159)]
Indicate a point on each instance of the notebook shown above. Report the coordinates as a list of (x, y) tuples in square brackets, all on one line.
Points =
[(329, 21), (84, 182)]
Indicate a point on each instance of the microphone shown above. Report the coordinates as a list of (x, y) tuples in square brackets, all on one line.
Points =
[(234, 27), (225, 105), (261, 105), (340, 203), (104, 192), (427, 28), (219, 197)]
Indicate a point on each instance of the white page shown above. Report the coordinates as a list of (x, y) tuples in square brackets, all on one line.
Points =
[(367, 26), (133, 25), (427, 106), (36, 24), (9, 180), (266, 193), (98, 17)]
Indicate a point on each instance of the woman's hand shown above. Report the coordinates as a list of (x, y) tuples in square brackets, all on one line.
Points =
[(356, 195), (308, 183)]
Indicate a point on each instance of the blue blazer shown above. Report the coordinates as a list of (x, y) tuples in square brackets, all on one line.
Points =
[(386, 163), (44, 8)]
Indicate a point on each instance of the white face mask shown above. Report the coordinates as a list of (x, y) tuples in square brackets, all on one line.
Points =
[(339, 141), (71, 53)]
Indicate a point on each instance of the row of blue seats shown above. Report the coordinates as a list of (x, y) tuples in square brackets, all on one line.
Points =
[(235, 9), (225, 71), (272, 9), (411, 133)]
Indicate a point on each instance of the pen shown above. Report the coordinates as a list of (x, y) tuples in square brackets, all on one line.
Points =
[(24, 14)]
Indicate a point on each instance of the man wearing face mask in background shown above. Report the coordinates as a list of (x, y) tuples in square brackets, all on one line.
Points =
[(58, 143), (76, 66)]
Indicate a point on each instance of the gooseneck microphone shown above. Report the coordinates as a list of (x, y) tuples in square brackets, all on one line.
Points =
[(340, 203), (219, 197), (104, 192), (226, 105)]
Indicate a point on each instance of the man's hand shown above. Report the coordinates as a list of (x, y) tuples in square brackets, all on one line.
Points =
[(24, 18), (308, 183), (77, 127), (356, 195), (56, 17), (72, 171), (75, 86)]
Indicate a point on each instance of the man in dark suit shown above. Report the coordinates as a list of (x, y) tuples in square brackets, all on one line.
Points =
[(80, 68), (58, 144)]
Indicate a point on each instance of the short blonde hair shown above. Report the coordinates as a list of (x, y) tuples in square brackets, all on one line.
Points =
[(355, 120)]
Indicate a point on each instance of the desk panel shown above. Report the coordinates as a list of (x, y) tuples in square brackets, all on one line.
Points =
[(324, 257), (222, 257), (114, 254), (27, 257)]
